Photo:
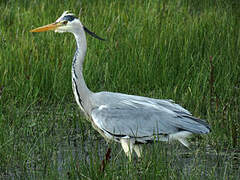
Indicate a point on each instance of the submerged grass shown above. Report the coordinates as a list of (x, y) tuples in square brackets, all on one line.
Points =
[(185, 50)]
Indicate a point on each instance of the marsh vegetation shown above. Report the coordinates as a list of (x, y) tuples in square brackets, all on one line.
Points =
[(187, 51)]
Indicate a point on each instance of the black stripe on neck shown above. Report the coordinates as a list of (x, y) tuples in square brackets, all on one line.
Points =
[(78, 94)]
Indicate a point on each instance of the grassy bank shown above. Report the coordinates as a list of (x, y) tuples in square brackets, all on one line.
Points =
[(187, 51)]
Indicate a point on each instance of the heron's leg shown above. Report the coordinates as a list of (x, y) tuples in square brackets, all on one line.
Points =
[(127, 145), (105, 161), (138, 150)]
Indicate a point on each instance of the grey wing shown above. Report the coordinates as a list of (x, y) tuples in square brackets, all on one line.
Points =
[(144, 119)]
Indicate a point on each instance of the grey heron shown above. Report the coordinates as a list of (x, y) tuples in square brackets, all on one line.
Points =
[(128, 119)]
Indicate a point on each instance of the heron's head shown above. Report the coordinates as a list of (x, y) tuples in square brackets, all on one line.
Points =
[(67, 22)]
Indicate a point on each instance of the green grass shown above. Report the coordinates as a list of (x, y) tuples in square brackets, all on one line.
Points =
[(159, 49)]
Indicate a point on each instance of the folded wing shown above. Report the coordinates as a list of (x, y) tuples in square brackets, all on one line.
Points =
[(146, 118)]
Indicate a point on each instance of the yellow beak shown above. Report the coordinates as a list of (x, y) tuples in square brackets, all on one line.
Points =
[(48, 27)]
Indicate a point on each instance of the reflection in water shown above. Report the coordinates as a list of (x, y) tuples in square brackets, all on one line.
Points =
[(68, 145), (206, 162)]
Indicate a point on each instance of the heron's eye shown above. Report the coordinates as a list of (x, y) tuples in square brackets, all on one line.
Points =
[(65, 22)]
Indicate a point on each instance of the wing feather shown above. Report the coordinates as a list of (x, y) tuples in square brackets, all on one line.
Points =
[(145, 118)]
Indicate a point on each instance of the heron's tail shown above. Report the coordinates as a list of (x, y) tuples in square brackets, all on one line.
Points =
[(181, 136)]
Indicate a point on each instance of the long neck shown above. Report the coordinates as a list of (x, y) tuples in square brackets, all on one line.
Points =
[(80, 89)]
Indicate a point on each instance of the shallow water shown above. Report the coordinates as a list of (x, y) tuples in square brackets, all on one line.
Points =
[(205, 162), (69, 146)]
